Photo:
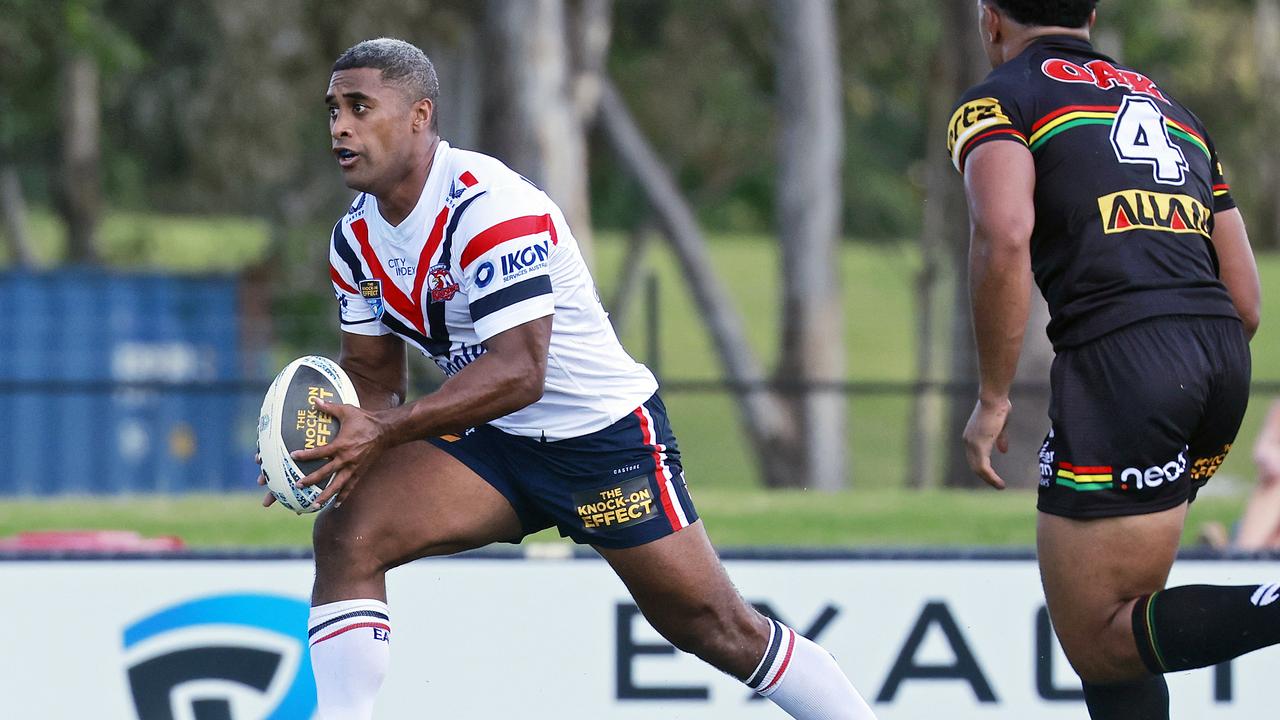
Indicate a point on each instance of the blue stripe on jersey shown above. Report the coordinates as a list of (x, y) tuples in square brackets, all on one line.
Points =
[(507, 296), (346, 253), (447, 252), (435, 311)]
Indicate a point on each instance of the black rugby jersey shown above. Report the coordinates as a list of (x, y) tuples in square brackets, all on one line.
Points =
[(1127, 182)]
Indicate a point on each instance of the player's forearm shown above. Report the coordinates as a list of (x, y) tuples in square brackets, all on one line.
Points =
[(1000, 294), (487, 389), (373, 395)]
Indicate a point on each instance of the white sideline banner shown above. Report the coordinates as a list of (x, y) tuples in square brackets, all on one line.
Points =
[(555, 639)]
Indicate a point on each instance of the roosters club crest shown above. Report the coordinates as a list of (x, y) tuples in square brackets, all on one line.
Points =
[(441, 283)]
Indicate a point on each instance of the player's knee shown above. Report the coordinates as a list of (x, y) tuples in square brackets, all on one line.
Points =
[(718, 633), (1109, 657), (341, 551)]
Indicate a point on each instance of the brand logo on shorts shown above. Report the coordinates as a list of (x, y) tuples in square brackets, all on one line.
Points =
[(1046, 461), (1204, 467), (628, 503), (1265, 595), (1154, 476), (371, 291)]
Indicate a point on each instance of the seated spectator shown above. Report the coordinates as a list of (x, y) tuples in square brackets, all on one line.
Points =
[(1260, 527)]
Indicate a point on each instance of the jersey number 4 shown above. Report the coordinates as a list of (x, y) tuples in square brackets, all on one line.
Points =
[(1141, 137)]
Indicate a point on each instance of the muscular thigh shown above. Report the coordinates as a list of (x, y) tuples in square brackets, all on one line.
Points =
[(415, 502), (1093, 569)]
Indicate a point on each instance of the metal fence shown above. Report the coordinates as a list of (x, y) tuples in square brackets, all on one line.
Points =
[(135, 383)]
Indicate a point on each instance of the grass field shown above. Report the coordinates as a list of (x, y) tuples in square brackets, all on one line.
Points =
[(878, 309), (734, 517)]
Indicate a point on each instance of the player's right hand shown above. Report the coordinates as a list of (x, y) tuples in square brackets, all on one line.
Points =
[(987, 428), (262, 480)]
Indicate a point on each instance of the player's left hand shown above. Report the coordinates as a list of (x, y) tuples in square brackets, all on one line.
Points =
[(987, 428), (358, 445)]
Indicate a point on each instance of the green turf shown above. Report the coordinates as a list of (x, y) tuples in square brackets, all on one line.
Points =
[(177, 243), (734, 517)]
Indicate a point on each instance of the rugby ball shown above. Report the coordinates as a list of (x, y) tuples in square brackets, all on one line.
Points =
[(289, 421)]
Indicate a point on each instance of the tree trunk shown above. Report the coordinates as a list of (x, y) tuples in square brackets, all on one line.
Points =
[(759, 411), (811, 151), (590, 25), (942, 229), (80, 195), (534, 124), (459, 65), (634, 269), (13, 210)]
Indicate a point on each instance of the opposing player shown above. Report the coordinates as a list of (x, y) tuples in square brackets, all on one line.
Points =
[(1092, 178), (544, 419)]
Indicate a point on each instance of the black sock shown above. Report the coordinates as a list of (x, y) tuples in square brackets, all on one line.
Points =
[(1146, 699), (1197, 626)]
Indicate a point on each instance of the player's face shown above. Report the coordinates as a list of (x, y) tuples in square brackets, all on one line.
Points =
[(371, 126)]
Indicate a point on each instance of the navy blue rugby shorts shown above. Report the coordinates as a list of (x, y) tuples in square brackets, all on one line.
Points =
[(1142, 417), (619, 487)]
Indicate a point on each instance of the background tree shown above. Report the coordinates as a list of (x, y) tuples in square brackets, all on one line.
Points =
[(810, 161), (533, 120)]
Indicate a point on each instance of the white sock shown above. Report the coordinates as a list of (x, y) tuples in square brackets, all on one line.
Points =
[(804, 680), (350, 650)]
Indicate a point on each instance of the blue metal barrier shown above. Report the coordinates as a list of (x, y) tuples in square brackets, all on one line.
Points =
[(105, 383)]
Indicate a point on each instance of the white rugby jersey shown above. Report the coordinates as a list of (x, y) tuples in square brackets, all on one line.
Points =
[(482, 252)]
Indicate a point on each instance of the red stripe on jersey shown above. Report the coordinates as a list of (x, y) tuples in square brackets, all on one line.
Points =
[(651, 442), (969, 146), (336, 633), (1070, 109), (429, 250), (468, 179), (390, 292), (506, 230), (1224, 186), (337, 280)]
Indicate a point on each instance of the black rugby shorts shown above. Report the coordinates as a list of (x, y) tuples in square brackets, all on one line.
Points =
[(1142, 417), (619, 487)]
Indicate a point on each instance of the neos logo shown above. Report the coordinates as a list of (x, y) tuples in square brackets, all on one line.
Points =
[(1265, 595), (1156, 475), (225, 657)]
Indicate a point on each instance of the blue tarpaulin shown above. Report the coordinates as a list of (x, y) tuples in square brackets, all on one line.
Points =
[(114, 382)]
